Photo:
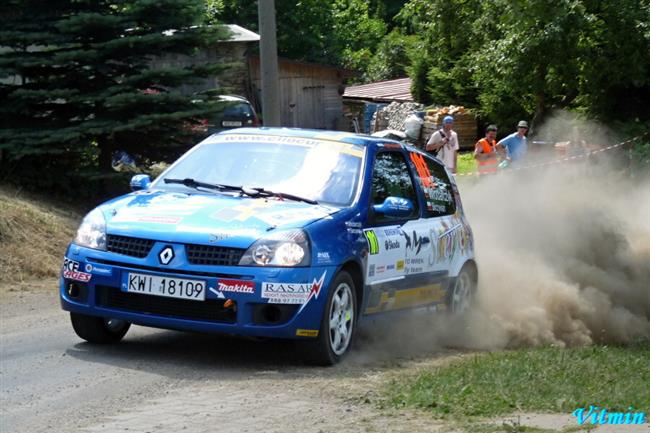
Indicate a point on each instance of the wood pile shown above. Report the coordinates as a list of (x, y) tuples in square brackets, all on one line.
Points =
[(464, 125)]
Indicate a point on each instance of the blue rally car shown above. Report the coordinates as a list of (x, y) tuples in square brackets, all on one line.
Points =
[(277, 233)]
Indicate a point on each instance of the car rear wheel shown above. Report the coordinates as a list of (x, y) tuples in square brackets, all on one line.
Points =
[(338, 325), (462, 294), (98, 329)]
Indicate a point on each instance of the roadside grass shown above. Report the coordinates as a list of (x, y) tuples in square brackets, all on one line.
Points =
[(33, 236), (548, 379), (466, 163), (514, 427)]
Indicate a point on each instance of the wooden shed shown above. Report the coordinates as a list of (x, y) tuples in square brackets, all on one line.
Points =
[(310, 94)]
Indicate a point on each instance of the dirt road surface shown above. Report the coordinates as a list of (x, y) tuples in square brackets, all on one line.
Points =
[(164, 381)]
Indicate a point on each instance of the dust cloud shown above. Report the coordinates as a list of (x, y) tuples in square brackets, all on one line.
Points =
[(564, 259), (563, 253)]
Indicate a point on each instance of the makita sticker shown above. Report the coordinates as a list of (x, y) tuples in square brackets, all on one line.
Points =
[(292, 293), (237, 286), (71, 271)]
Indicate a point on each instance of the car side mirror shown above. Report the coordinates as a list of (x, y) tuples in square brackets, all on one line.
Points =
[(140, 182), (395, 207)]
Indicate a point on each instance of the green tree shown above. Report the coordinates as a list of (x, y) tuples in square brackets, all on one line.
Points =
[(521, 58), (392, 56), (338, 32), (448, 30), (77, 82)]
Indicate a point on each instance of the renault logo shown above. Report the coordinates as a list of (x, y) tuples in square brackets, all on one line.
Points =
[(166, 255)]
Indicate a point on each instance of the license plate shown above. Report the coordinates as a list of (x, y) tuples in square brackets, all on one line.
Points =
[(165, 286), (230, 123)]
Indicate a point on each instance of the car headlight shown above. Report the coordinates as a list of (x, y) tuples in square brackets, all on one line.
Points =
[(287, 248), (92, 231)]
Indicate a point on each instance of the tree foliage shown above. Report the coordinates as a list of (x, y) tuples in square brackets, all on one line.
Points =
[(521, 58), (344, 33), (77, 82)]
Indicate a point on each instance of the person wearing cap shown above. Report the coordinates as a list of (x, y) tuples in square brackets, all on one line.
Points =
[(485, 152), (515, 144), (445, 142)]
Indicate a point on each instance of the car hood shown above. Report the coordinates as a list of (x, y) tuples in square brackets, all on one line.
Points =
[(206, 218)]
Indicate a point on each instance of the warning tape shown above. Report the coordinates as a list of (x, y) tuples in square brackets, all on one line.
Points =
[(557, 161)]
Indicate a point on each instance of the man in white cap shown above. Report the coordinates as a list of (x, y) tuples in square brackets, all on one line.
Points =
[(445, 142), (515, 144)]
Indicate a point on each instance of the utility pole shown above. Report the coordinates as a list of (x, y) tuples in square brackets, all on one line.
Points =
[(269, 63)]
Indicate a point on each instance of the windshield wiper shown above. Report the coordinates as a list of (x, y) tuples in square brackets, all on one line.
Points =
[(251, 192), (191, 183), (261, 192)]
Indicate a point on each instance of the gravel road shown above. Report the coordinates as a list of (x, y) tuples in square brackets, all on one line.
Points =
[(164, 381)]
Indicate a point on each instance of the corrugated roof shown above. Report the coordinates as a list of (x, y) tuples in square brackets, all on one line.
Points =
[(392, 90)]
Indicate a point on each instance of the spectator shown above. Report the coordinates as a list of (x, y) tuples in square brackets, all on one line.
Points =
[(485, 151), (515, 144), (445, 142)]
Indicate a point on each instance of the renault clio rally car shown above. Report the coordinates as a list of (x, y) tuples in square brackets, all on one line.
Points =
[(274, 232)]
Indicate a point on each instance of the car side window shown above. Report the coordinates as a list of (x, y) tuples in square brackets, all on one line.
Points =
[(433, 179), (391, 178)]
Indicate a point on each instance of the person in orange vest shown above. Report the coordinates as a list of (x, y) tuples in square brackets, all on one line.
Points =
[(485, 151)]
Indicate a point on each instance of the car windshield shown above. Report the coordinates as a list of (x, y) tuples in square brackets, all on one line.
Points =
[(320, 170), (239, 110)]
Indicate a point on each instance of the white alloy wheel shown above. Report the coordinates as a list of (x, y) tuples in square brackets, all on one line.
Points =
[(462, 295), (341, 319)]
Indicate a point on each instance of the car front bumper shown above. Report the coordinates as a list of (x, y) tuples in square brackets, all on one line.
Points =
[(98, 288)]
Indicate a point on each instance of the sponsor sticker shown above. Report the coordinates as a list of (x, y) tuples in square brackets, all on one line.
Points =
[(323, 257), (292, 293), (101, 271), (290, 216), (71, 271), (160, 219), (373, 243), (236, 286), (307, 332), (399, 265), (216, 237)]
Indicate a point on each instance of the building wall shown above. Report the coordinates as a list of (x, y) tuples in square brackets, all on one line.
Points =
[(310, 94), (233, 80)]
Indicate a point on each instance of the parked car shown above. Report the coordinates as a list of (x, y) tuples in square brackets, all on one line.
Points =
[(274, 232), (237, 113)]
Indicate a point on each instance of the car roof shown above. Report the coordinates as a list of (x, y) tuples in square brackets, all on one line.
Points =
[(319, 134), (232, 98)]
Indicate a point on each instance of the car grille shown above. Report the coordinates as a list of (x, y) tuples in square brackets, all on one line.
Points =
[(215, 256), (134, 247), (210, 310)]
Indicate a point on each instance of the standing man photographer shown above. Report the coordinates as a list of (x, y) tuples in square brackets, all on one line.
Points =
[(445, 143)]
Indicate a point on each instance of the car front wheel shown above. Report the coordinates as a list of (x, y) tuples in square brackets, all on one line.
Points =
[(98, 329), (338, 324)]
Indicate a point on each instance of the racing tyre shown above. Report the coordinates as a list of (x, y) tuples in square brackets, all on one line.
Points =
[(98, 329), (461, 296), (338, 325)]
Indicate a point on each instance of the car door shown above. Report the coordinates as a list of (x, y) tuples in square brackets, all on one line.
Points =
[(441, 221), (387, 271)]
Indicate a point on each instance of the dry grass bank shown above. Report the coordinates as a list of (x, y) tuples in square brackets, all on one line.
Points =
[(34, 233)]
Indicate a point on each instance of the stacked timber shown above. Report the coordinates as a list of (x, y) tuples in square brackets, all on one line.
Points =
[(464, 125)]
